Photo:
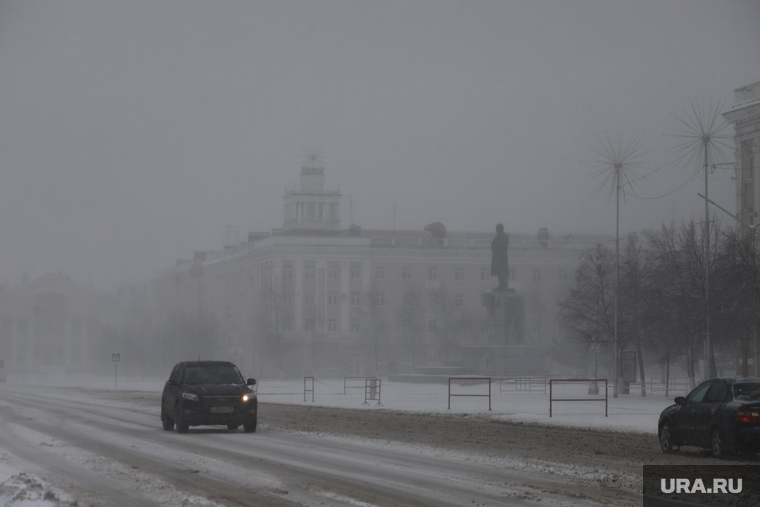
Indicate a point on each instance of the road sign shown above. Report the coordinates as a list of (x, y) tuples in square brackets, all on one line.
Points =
[(115, 357)]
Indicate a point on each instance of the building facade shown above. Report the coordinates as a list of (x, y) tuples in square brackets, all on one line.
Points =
[(312, 298), (53, 324), (745, 117)]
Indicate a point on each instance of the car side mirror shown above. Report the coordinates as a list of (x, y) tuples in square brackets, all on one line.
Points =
[(680, 400), (250, 382)]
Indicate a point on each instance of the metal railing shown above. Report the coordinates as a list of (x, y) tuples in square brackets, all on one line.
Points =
[(470, 381), (585, 381), (347, 381), (522, 384), (372, 391), (308, 387)]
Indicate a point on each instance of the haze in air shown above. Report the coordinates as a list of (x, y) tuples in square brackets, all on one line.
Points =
[(135, 133)]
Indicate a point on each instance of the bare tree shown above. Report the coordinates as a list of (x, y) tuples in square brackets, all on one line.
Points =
[(633, 294), (741, 274), (678, 279), (588, 312)]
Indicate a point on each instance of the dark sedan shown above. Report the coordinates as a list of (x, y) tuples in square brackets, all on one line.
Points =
[(206, 393), (722, 415)]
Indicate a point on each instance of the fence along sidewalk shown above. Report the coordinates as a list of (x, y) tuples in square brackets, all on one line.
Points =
[(584, 381), (467, 381)]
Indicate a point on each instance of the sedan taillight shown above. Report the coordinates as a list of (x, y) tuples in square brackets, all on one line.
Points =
[(748, 417)]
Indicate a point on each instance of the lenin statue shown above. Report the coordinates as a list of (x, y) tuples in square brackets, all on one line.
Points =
[(499, 260)]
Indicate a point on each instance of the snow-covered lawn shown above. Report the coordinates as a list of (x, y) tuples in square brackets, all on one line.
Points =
[(630, 412)]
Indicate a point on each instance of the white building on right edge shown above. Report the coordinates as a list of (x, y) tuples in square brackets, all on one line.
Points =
[(745, 116)]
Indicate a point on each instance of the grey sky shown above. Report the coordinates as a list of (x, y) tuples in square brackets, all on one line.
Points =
[(132, 133)]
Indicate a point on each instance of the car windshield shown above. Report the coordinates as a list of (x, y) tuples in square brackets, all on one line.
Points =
[(747, 390), (213, 374)]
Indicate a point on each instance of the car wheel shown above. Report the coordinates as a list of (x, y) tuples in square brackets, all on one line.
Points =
[(233, 427), (718, 447), (167, 421), (250, 426), (182, 425), (666, 438)]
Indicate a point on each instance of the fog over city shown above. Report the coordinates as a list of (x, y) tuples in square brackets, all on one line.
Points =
[(133, 133)]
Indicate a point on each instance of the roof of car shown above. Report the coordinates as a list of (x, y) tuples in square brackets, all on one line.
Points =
[(733, 380), (205, 363)]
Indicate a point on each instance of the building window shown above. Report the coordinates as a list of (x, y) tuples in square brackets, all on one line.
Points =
[(485, 273), (406, 273), (332, 300), (287, 299), (432, 273), (355, 326), (433, 300), (512, 275), (356, 271), (332, 325), (356, 299), (459, 274), (287, 326), (562, 274), (287, 273), (309, 272), (433, 325), (332, 273), (380, 273), (308, 299), (309, 326), (459, 300), (536, 274), (379, 298)]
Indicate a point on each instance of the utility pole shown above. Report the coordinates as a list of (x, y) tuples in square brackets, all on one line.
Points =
[(710, 359)]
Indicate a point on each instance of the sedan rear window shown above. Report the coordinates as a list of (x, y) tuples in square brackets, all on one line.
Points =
[(747, 390), (213, 374)]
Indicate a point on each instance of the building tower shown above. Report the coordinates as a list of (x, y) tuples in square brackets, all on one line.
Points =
[(310, 208)]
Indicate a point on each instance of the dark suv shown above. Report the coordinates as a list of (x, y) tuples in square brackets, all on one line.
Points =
[(208, 392)]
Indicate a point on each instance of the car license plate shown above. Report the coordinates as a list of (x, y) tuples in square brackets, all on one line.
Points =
[(221, 410)]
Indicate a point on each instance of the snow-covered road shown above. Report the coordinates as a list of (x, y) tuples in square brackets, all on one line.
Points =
[(89, 451)]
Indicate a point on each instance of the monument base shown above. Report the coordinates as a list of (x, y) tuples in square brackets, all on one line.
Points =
[(505, 361), (508, 312)]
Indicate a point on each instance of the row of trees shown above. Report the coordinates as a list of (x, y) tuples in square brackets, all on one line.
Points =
[(661, 301)]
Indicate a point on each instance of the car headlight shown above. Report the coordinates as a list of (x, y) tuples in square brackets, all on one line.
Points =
[(190, 396), (246, 397)]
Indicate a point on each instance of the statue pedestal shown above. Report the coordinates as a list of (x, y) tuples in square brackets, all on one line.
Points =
[(508, 312), (506, 354)]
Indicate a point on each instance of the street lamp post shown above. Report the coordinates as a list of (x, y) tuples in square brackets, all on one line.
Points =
[(617, 162)]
